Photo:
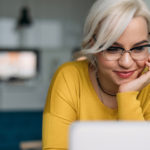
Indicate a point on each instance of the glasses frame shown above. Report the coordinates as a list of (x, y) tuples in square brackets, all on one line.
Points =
[(125, 51)]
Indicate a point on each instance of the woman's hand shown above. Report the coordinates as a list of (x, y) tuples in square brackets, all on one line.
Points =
[(139, 83)]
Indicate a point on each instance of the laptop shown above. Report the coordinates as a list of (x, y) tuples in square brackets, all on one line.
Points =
[(109, 136)]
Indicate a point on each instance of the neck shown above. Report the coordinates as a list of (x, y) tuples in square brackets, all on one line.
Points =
[(103, 89)]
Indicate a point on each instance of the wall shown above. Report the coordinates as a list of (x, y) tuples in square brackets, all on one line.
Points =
[(21, 103), (70, 14), (148, 3)]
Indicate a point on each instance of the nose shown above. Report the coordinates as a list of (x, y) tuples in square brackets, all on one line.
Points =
[(126, 61)]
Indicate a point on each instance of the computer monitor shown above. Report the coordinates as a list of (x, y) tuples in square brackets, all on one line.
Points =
[(18, 64), (109, 136)]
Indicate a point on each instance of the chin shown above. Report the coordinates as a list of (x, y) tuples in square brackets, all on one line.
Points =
[(123, 81)]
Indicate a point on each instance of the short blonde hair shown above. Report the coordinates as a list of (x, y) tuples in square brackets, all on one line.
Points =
[(108, 19)]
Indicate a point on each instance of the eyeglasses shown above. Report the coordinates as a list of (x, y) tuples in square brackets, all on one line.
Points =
[(137, 53)]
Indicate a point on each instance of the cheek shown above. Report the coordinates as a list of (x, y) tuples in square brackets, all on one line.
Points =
[(141, 64), (107, 65), (104, 65)]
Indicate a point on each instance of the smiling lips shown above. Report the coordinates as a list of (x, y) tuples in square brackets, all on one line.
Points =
[(124, 75)]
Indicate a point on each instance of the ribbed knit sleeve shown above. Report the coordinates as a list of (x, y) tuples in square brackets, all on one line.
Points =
[(129, 107)]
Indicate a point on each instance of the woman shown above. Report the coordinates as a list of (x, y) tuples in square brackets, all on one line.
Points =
[(113, 83)]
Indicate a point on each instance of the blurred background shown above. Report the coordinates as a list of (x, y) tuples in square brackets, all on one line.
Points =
[(36, 36)]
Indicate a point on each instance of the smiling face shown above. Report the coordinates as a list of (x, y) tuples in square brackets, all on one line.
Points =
[(115, 73)]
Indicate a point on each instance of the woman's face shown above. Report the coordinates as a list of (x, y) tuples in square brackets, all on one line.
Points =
[(125, 69)]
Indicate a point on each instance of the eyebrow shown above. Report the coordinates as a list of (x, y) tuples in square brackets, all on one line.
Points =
[(136, 44), (141, 42)]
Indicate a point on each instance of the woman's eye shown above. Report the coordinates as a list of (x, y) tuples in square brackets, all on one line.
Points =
[(139, 49), (113, 49)]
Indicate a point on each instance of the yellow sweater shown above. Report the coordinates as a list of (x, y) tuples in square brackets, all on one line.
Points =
[(72, 97)]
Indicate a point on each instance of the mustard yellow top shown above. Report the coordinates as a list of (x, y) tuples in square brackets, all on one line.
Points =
[(72, 97)]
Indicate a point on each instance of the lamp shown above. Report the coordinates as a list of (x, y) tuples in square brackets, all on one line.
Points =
[(25, 18), (24, 29)]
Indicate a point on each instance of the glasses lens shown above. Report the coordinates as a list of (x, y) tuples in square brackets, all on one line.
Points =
[(140, 53), (112, 54)]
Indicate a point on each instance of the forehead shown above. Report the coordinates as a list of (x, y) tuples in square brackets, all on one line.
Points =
[(136, 31)]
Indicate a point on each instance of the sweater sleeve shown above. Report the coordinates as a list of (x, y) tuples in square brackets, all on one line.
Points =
[(131, 107), (60, 110)]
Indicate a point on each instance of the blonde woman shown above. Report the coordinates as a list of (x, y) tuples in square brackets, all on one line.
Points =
[(113, 83)]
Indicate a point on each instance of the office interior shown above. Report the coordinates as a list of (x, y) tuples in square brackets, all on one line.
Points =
[(47, 32)]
